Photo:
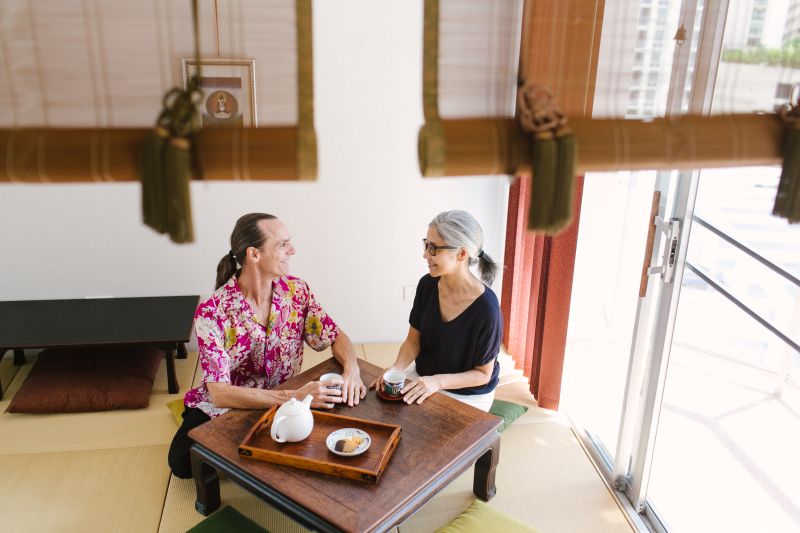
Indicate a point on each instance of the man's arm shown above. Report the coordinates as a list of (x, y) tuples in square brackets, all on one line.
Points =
[(225, 395), (353, 388)]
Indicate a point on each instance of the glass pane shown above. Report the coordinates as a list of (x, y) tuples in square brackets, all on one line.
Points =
[(611, 243), (760, 60), (730, 417), (634, 72), (731, 407), (725, 438), (636, 57)]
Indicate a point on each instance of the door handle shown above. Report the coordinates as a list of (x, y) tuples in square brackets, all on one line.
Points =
[(648, 249), (672, 229)]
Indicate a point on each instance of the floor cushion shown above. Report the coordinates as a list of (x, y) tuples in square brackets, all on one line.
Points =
[(176, 408), (227, 520), (80, 379), (508, 411), (480, 517)]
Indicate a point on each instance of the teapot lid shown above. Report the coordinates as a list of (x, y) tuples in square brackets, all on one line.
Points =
[(292, 407)]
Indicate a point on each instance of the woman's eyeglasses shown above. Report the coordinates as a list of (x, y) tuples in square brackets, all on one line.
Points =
[(432, 248)]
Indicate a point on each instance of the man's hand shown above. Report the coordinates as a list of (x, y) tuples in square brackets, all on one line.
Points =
[(353, 389), (418, 391), (323, 392)]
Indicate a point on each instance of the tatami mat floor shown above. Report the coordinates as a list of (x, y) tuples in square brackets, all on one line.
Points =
[(107, 471)]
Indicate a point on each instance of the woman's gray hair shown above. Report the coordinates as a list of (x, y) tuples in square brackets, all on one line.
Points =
[(459, 228)]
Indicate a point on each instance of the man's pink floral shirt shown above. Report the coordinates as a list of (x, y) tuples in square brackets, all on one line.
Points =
[(236, 348)]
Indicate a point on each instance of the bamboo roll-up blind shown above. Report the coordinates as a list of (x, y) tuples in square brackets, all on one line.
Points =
[(498, 146), (559, 49), (79, 155), (478, 44), (470, 57), (84, 80)]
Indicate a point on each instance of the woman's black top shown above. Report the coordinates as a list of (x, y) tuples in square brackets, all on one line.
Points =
[(471, 339)]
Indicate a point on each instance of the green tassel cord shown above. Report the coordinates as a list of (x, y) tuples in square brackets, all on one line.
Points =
[(544, 159), (177, 175), (167, 160), (787, 199), (150, 172), (553, 159), (565, 178)]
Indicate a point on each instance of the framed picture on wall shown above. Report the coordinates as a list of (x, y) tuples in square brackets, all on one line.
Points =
[(229, 91)]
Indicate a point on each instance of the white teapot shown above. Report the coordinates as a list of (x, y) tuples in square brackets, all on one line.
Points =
[(293, 421)]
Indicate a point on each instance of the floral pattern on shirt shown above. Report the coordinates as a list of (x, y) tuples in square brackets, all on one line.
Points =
[(236, 348)]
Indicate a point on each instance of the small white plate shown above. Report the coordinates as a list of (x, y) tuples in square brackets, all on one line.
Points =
[(345, 433)]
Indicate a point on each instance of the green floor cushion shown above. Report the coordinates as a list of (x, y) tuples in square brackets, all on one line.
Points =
[(480, 517), (176, 409), (81, 379), (227, 520), (508, 411)]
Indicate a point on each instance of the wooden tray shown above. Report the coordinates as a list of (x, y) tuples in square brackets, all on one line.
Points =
[(313, 454)]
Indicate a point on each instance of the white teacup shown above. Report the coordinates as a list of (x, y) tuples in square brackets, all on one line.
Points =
[(330, 376), (393, 382)]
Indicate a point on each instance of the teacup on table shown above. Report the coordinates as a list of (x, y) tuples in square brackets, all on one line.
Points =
[(332, 375), (393, 382)]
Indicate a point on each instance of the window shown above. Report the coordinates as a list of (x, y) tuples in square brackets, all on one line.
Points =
[(644, 16), (783, 91), (655, 57), (641, 40)]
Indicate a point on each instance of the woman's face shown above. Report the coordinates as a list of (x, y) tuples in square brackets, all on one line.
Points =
[(445, 261), (272, 260)]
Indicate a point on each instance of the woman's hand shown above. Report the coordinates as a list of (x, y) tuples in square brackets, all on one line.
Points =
[(418, 391), (378, 383), (353, 388), (323, 393)]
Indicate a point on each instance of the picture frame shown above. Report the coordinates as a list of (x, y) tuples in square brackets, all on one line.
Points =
[(229, 91)]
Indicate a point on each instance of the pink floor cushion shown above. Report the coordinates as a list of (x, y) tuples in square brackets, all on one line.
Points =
[(72, 380)]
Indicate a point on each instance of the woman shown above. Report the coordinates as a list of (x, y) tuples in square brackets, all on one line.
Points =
[(250, 335), (455, 324)]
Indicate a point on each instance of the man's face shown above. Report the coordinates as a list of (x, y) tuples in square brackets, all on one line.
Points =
[(273, 257)]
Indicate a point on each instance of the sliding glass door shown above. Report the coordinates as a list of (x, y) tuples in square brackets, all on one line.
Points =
[(682, 355), (632, 243)]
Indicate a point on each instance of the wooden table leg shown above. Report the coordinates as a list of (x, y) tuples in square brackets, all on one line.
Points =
[(172, 380), (206, 481), (19, 356), (182, 351), (483, 483), (2, 353)]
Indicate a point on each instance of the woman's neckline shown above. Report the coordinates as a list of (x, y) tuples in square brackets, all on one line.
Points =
[(463, 312)]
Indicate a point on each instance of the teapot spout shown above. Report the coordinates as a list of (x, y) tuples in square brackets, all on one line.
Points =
[(307, 400)]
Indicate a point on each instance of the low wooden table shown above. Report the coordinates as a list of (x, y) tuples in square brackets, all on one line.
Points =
[(161, 321), (440, 439)]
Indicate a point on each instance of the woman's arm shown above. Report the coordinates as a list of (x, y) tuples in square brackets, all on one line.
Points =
[(353, 388), (419, 390), (225, 395), (408, 352)]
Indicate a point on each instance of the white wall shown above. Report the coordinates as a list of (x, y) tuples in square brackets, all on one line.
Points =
[(357, 229)]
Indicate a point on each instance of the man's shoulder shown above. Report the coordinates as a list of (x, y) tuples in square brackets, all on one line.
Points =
[(290, 282), (221, 299), (296, 288)]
